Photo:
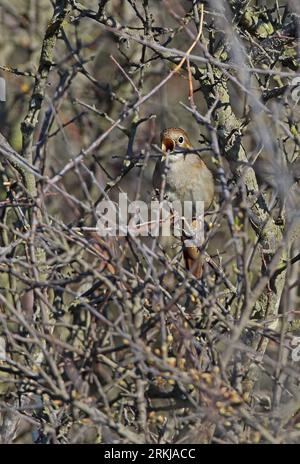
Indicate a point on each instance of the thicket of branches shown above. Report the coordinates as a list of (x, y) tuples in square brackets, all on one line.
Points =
[(112, 340)]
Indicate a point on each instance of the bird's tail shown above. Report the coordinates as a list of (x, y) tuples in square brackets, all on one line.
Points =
[(193, 260), (193, 256)]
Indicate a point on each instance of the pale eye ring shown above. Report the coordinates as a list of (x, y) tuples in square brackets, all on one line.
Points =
[(180, 139)]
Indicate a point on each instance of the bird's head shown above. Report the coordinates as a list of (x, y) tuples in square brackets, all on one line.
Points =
[(174, 139)]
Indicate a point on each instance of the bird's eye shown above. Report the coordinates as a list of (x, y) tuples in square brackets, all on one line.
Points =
[(180, 139)]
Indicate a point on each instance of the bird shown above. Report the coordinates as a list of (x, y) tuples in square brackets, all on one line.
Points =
[(184, 176)]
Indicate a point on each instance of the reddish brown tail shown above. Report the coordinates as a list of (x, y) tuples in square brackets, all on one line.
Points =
[(192, 257), (193, 261)]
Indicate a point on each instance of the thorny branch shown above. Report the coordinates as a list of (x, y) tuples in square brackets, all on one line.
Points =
[(110, 339)]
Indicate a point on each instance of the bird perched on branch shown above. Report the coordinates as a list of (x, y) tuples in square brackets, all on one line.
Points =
[(184, 177)]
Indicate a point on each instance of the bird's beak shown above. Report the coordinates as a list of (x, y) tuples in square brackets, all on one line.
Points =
[(167, 144)]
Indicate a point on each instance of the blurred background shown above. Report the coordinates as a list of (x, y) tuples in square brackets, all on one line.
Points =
[(238, 98)]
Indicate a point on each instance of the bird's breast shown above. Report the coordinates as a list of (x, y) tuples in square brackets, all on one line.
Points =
[(188, 179)]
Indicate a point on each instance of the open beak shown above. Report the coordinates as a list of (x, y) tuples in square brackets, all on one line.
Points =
[(167, 144)]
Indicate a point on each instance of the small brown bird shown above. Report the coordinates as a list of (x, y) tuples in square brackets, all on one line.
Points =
[(187, 178)]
